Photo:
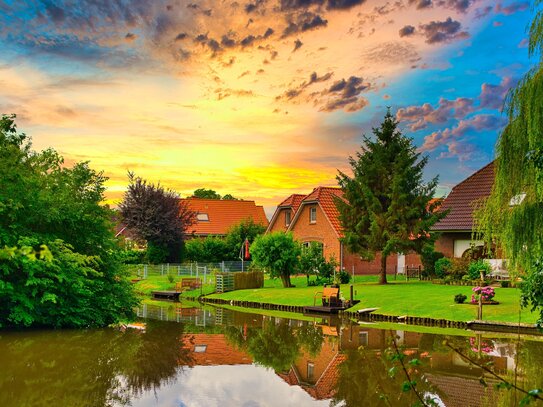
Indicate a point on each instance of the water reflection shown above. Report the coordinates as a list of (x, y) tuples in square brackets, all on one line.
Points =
[(191, 356)]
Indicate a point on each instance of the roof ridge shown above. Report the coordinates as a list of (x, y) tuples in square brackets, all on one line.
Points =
[(473, 175)]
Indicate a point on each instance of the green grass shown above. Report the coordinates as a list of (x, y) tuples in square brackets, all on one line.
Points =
[(413, 298)]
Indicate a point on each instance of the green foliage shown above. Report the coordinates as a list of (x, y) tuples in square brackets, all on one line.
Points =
[(55, 286), (387, 205), (236, 235), (203, 193), (278, 254), (459, 268), (460, 298), (45, 204), (157, 216), (442, 267), (344, 277), (532, 291), (475, 268), (429, 257), (211, 249), (313, 262), (507, 221), (132, 256)]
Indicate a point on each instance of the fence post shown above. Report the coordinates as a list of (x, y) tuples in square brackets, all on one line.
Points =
[(162, 269), (145, 271), (191, 268), (168, 268), (179, 270), (222, 266)]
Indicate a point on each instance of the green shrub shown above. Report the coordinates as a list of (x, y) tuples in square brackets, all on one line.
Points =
[(442, 267), (156, 254), (171, 278), (459, 267), (505, 283), (429, 257), (132, 256), (460, 298), (475, 268), (344, 277)]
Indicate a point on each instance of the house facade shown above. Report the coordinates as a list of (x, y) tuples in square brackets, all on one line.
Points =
[(456, 229), (315, 218), (216, 216)]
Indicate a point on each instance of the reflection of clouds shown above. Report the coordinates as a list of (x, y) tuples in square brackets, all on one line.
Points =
[(225, 386)]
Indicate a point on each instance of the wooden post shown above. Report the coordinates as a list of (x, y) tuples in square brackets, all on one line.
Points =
[(352, 295)]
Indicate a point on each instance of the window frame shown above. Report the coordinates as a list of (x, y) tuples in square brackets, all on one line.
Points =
[(313, 214)]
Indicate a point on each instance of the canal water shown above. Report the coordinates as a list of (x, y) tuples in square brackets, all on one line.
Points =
[(188, 355)]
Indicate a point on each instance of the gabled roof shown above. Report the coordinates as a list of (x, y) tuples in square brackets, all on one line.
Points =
[(292, 202), (223, 214), (463, 199), (325, 197)]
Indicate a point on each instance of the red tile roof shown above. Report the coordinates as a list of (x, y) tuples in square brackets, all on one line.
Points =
[(223, 214), (217, 351), (292, 202), (464, 392), (463, 200)]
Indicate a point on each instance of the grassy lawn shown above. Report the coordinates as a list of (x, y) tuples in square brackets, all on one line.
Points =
[(414, 298)]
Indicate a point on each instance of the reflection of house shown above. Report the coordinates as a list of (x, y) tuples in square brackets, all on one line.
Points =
[(315, 218), (216, 216), (214, 350), (317, 374), (457, 227)]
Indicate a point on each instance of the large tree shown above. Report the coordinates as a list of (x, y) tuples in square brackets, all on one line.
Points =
[(58, 262), (236, 235), (386, 207), (156, 215), (513, 215)]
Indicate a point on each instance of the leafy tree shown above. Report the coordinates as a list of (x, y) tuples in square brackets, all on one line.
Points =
[(278, 253), (206, 194), (387, 205), (58, 254), (513, 214), (156, 216), (313, 262), (229, 197), (236, 235)]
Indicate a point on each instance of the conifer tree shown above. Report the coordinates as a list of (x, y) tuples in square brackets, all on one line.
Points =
[(386, 207)]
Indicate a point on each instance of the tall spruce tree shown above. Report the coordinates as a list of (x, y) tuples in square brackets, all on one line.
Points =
[(386, 207)]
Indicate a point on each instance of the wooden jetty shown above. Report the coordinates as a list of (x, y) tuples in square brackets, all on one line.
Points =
[(166, 295)]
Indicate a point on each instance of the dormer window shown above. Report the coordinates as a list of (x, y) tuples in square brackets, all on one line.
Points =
[(313, 214), (202, 217), (287, 217)]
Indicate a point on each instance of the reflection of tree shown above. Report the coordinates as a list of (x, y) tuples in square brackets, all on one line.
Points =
[(95, 367), (274, 345), (365, 380), (310, 338)]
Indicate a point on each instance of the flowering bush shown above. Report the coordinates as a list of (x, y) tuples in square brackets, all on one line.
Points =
[(487, 345), (486, 293)]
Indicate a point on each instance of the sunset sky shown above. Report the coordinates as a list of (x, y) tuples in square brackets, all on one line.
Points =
[(258, 98)]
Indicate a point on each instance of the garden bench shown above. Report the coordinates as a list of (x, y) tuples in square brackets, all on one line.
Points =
[(189, 283)]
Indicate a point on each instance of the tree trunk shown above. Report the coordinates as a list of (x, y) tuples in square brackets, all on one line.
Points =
[(286, 280), (383, 275)]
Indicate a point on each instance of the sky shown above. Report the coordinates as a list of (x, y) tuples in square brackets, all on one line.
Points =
[(258, 98)]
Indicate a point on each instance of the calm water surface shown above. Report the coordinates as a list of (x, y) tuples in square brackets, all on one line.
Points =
[(193, 356)]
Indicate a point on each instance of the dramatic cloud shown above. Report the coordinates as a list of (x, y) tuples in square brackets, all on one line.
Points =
[(304, 22), (421, 4), (330, 4), (343, 94), (297, 45), (492, 96), (460, 6), (443, 31), (420, 116), (406, 31)]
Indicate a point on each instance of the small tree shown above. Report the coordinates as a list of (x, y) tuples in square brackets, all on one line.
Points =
[(278, 253), (313, 262), (157, 216), (203, 193), (236, 235), (386, 206)]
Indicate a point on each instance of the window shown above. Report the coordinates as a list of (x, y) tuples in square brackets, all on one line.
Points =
[(202, 217), (200, 348), (287, 217), (313, 214), (310, 370), (517, 199), (363, 338)]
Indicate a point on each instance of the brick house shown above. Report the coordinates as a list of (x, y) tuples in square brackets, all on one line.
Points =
[(315, 218), (216, 216), (457, 227)]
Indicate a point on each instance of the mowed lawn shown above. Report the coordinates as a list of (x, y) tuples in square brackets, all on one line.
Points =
[(413, 298)]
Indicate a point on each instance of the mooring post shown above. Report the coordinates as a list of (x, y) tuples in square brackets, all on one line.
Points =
[(352, 294)]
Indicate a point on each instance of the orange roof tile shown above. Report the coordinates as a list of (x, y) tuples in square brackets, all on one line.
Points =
[(293, 202), (463, 199), (223, 214), (217, 351)]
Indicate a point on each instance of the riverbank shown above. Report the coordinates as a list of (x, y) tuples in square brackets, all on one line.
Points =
[(398, 298)]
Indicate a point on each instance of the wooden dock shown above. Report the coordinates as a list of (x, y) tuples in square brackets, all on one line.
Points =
[(316, 309), (166, 295)]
